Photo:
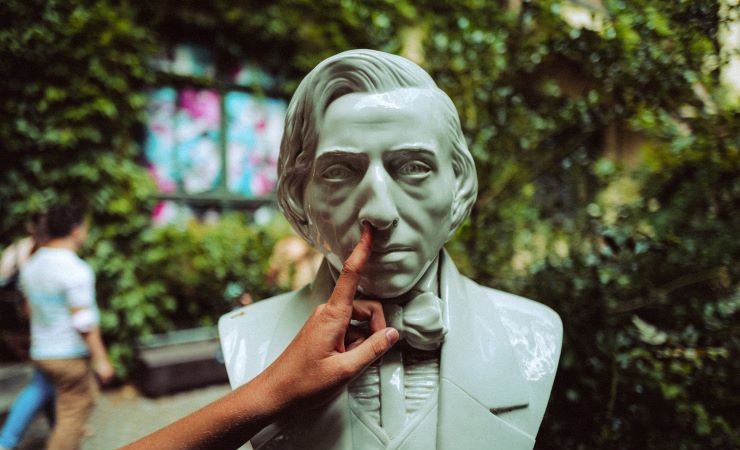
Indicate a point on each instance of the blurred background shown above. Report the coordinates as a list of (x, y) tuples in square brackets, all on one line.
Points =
[(605, 134)]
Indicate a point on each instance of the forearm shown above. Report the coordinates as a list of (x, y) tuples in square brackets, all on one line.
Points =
[(224, 424), (94, 342)]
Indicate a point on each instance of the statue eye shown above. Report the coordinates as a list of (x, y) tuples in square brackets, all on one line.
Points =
[(337, 172), (414, 168)]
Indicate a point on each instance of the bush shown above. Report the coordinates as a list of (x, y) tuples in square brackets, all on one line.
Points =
[(179, 276)]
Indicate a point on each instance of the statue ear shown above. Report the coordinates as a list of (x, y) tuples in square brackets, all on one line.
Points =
[(466, 190), (296, 200), (294, 203)]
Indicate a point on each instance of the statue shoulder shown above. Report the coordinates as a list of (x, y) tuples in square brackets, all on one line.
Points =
[(534, 330), (260, 314), (246, 334), (519, 311)]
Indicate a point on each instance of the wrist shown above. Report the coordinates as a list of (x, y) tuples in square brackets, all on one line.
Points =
[(258, 403), (271, 394)]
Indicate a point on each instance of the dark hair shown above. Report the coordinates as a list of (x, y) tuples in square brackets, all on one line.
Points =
[(37, 228), (61, 220)]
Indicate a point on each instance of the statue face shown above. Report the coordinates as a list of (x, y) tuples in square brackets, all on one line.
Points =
[(383, 159)]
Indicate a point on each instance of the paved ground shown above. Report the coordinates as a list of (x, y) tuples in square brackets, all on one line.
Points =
[(123, 415)]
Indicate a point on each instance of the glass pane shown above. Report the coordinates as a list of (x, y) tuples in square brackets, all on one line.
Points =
[(252, 75), (159, 144), (254, 129), (185, 59), (197, 134), (182, 139)]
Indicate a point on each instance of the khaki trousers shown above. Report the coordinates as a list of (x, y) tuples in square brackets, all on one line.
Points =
[(76, 391)]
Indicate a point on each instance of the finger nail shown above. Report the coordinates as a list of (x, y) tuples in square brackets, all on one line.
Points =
[(392, 335)]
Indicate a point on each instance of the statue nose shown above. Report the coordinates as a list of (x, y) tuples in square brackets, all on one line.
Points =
[(378, 206)]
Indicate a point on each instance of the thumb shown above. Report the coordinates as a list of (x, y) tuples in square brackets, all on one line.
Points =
[(370, 349)]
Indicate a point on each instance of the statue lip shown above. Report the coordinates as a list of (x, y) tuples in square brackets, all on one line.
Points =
[(392, 248)]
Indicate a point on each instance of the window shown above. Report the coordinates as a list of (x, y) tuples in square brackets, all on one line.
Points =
[(211, 140)]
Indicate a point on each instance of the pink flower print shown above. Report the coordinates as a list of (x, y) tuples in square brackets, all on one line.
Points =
[(202, 105), (158, 211), (262, 184), (162, 181)]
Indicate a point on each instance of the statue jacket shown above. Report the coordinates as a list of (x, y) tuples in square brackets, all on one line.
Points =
[(497, 366)]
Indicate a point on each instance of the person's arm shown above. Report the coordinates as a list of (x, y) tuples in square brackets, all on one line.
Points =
[(310, 372), (98, 355), (85, 319)]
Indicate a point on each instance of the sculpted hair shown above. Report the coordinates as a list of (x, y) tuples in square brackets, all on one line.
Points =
[(349, 72)]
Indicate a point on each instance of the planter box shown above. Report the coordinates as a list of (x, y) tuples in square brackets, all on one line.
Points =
[(179, 360)]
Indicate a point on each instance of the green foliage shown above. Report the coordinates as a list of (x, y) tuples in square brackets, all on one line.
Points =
[(72, 78), (179, 276), (637, 253), (607, 155)]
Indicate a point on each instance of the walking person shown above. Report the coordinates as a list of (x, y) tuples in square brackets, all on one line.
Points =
[(66, 345), (38, 394)]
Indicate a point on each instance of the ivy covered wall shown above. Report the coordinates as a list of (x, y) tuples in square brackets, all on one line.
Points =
[(607, 152)]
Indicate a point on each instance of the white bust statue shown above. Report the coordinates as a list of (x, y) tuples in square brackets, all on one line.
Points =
[(370, 139)]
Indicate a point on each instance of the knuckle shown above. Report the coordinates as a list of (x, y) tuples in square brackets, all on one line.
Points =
[(349, 268), (332, 312), (359, 306), (370, 305), (346, 371), (318, 311)]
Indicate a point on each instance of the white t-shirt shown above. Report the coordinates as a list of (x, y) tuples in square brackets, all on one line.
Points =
[(56, 280)]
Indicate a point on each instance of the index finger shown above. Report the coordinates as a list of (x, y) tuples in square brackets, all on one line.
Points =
[(344, 291)]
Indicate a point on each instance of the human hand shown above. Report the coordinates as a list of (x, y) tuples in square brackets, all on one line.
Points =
[(326, 353), (104, 370)]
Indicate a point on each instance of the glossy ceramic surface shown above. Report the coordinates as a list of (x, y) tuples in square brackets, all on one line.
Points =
[(383, 159), (369, 138)]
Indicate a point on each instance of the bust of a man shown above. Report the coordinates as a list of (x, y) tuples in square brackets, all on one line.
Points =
[(371, 140)]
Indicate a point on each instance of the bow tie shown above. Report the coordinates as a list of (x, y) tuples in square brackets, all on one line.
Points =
[(419, 321)]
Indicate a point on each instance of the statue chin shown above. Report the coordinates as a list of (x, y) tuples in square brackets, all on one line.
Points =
[(382, 290), (383, 282)]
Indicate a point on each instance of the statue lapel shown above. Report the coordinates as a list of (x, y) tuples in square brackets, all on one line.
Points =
[(480, 378)]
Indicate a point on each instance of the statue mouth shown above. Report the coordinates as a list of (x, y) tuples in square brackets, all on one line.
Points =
[(392, 248), (390, 256)]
